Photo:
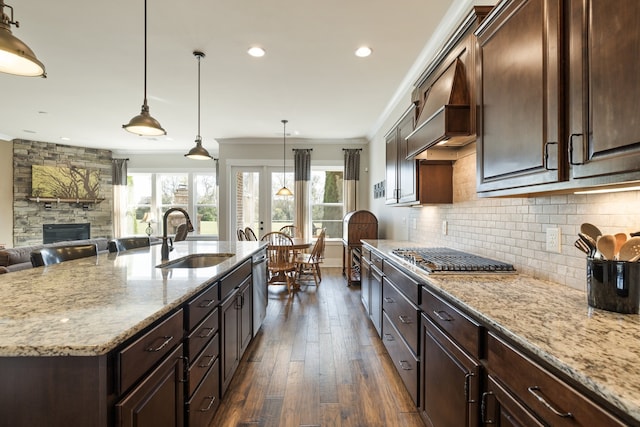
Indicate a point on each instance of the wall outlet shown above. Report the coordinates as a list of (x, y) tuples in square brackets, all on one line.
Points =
[(445, 228), (553, 240)]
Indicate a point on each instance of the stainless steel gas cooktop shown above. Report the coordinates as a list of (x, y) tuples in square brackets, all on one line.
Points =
[(445, 260)]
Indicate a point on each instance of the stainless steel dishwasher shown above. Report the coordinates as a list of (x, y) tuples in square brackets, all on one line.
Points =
[(259, 266)]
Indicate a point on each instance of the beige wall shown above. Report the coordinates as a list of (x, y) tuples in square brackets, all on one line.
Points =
[(6, 193)]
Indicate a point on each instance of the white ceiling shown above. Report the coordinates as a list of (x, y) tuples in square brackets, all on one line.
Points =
[(93, 53)]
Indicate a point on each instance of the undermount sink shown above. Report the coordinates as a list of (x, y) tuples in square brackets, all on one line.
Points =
[(196, 261)]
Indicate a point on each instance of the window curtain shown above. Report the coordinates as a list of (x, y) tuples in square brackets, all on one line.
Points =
[(119, 181), (302, 174), (351, 178)]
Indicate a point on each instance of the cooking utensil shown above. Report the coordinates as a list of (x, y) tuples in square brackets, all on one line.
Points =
[(607, 246), (620, 239), (630, 249), (591, 231), (580, 244), (591, 243)]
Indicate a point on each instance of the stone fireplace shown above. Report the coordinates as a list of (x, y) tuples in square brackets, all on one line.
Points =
[(30, 217)]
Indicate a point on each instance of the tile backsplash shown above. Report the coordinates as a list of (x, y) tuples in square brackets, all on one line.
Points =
[(514, 229)]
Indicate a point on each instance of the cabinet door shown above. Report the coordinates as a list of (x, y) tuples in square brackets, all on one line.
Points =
[(365, 284), (376, 299), (158, 400), (450, 381), (230, 352), (604, 125), (391, 192), (501, 408), (407, 169), (245, 327), (520, 139)]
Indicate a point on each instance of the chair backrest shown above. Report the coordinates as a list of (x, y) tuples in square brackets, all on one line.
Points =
[(181, 232), (289, 230), (317, 252), (241, 235), (57, 254), (126, 243), (250, 234), (277, 238)]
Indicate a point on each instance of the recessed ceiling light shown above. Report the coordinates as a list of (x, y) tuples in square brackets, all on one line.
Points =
[(363, 51), (65, 138), (256, 51)]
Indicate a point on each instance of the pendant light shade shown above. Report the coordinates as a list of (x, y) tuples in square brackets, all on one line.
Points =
[(198, 152), (284, 191), (15, 56), (143, 124)]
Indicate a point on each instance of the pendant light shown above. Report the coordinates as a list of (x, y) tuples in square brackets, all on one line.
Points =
[(15, 56), (198, 152), (143, 124), (284, 191)]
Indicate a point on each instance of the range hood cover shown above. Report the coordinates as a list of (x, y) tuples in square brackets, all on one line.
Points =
[(446, 112)]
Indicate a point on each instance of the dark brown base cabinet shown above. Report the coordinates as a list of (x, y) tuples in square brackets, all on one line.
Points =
[(450, 381), (158, 399)]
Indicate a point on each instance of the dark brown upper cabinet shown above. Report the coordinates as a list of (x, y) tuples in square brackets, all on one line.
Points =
[(603, 89), (520, 136), (401, 173)]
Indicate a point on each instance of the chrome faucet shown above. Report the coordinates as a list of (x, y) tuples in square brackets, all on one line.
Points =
[(165, 245)]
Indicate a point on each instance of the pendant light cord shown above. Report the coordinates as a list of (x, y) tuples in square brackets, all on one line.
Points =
[(284, 149), (198, 136), (145, 52)]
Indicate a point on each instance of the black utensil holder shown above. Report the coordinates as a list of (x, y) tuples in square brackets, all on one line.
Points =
[(613, 285)]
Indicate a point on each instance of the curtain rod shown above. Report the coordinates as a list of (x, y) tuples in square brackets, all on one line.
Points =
[(345, 149), (294, 149)]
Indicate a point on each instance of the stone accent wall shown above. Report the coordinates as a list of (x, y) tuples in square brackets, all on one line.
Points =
[(28, 216)]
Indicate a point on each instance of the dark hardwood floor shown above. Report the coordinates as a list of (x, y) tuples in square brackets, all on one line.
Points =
[(317, 361)]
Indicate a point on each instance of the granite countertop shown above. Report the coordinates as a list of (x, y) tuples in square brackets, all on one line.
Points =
[(91, 305), (596, 348)]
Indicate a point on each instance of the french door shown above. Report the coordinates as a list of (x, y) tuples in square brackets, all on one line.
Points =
[(256, 205)]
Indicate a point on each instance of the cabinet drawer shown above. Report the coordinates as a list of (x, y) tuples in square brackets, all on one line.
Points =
[(405, 362), (376, 260), (464, 330), (404, 283), (552, 400), (202, 334), (234, 279), (200, 366), (206, 399), (404, 315), (201, 305), (146, 351)]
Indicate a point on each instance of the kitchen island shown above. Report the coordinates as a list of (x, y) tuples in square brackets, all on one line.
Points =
[(595, 351), (79, 318)]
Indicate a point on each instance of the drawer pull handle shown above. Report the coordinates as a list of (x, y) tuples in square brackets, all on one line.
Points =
[(209, 333), (163, 345), (405, 320), (208, 304), (443, 315), (483, 408), (389, 300), (535, 390), (213, 399), (405, 366), (388, 337), (467, 387), (211, 357)]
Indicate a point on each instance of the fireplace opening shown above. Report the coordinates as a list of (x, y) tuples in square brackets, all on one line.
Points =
[(52, 233)]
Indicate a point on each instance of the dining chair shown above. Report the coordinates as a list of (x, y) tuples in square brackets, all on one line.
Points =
[(308, 265), (58, 254), (289, 230), (125, 243), (241, 235), (248, 231), (280, 259)]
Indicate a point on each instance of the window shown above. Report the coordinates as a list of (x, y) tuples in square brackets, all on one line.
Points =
[(327, 202), (151, 194)]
